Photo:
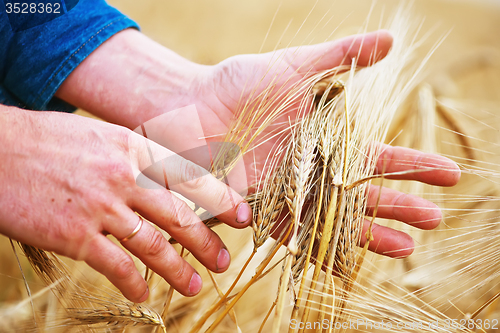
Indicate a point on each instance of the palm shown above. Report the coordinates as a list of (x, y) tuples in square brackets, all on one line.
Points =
[(233, 80), (241, 78)]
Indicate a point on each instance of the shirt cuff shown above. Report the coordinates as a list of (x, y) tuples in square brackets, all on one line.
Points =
[(39, 59)]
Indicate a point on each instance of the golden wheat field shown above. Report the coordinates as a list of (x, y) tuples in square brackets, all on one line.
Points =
[(437, 91)]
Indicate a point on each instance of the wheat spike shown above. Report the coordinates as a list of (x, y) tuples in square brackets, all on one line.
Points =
[(112, 312)]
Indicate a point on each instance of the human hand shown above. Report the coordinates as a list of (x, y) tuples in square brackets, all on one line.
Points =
[(231, 78), (163, 82), (68, 181)]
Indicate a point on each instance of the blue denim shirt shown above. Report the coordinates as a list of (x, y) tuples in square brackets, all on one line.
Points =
[(41, 45)]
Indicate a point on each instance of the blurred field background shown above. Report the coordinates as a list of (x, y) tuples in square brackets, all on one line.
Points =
[(208, 32), (465, 69)]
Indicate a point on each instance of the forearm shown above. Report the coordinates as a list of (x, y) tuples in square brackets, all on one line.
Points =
[(130, 79)]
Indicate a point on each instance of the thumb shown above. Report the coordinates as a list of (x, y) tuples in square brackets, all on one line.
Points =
[(366, 48)]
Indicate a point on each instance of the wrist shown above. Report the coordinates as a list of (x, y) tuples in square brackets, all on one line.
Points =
[(20, 135), (130, 79)]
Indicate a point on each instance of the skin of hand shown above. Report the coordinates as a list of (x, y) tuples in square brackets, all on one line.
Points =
[(72, 181), (68, 181)]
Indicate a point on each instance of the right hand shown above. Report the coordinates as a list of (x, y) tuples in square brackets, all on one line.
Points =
[(68, 181)]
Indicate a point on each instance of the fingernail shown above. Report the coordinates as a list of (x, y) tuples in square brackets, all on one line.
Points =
[(145, 296), (243, 213), (195, 284), (223, 259)]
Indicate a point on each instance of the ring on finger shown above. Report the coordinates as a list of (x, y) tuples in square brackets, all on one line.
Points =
[(136, 230)]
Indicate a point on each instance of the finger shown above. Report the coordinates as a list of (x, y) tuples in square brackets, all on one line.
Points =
[(406, 208), (387, 241), (199, 186), (442, 171), (175, 217), (118, 267), (154, 251), (192, 181), (366, 48)]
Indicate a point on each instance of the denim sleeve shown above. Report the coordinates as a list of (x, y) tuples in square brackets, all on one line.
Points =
[(38, 49)]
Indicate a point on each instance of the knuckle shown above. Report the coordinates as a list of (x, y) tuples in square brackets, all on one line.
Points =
[(124, 269), (192, 175), (424, 161), (119, 170), (75, 236), (385, 160), (182, 215), (228, 70), (399, 200), (397, 206), (288, 58), (207, 243), (121, 137), (135, 145), (155, 245), (222, 199), (180, 271), (375, 229), (124, 137)]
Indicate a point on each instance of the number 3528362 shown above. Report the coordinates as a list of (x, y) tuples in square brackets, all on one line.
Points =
[(32, 8)]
